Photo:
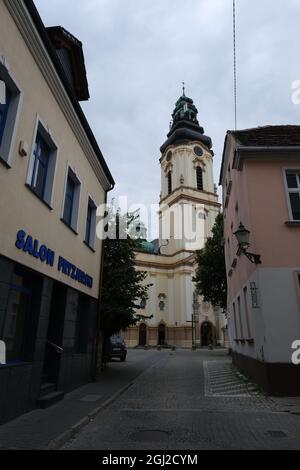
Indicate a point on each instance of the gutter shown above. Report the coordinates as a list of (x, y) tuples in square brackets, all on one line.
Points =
[(267, 148), (98, 342), (223, 159)]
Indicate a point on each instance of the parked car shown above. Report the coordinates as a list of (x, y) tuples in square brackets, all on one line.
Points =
[(117, 348)]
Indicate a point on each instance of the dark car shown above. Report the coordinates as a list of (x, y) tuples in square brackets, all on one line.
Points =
[(117, 348)]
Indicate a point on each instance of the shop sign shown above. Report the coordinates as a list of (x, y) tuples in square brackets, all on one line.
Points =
[(40, 251)]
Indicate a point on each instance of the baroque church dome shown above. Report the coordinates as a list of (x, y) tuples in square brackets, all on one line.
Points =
[(185, 126)]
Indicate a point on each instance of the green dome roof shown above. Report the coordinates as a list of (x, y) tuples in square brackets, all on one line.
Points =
[(185, 109), (185, 126), (148, 247)]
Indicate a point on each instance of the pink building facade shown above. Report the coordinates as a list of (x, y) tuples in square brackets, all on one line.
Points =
[(260, 177)]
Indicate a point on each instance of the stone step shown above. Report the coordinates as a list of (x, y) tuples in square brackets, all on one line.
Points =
[(225, 379), (47, 388), (50, 399), (229, 387)]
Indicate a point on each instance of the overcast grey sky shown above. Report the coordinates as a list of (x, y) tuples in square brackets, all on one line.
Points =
[(138, 52)]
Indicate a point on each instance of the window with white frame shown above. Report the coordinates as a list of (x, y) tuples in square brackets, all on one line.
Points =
[(42, 165), (293, 185), (71, 199), (90, 228), (10, 102)]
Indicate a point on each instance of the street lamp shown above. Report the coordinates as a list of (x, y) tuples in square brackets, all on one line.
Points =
[(243, 236), (194, 321)]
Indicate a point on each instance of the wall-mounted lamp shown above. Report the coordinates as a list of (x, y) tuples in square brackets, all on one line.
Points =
[(243, 236)]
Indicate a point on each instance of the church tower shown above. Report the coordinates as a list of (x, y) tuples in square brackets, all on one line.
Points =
[(188, 200), (174, 314)]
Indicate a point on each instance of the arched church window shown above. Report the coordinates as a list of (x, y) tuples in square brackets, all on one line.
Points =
[(169, 182), (199, 175)]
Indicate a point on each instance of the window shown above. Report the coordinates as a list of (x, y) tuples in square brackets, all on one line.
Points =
[(40, 168), (42, 165), (240, 318), (169, 182), (234, 321), (20, 320), (10, 101), (4, 106), (90, 228), (17, 311), (71, 200), (245, 290), (293, 184), (199, 176)]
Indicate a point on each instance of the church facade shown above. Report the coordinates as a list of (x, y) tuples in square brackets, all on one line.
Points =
[(174, 314)]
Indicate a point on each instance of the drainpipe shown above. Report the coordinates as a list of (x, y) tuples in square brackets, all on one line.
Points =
[(98, 348)]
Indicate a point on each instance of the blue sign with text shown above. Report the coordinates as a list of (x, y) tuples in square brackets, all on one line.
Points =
[(33, 247)]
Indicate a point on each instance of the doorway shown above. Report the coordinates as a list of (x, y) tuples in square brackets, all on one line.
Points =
[(142, 334), (54, 349), (161, 335), (207, 336)]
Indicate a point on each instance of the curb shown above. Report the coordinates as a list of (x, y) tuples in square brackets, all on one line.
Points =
[(59, 441)]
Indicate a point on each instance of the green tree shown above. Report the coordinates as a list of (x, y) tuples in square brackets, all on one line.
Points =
[(123, 291), (210, 278), (122, 287)]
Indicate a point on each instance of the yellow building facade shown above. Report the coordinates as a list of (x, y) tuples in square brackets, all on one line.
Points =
[(52, 178), (174, 314)]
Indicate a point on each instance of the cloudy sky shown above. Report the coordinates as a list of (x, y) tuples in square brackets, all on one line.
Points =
[(138, 52)]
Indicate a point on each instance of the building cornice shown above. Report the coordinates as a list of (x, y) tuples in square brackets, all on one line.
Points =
[(33, 40), (164, 255), (188, 262), (264, 153), (188, 146), (186, 196), (178, 253)]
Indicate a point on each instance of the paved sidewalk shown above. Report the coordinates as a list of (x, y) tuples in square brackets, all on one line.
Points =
[(42, 429)]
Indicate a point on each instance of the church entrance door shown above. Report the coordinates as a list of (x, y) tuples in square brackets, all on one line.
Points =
[(142, 334), (161, 335), (206, 334)]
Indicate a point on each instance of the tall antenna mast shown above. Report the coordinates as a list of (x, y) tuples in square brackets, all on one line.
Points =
[(234, 66)]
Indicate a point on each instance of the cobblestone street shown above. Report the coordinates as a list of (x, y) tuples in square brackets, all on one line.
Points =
[(189, 400), (164, 400)]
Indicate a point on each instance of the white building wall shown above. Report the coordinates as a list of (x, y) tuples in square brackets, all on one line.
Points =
[(171, 300)]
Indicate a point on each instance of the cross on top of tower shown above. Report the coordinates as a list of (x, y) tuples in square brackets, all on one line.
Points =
[(183, 88)]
